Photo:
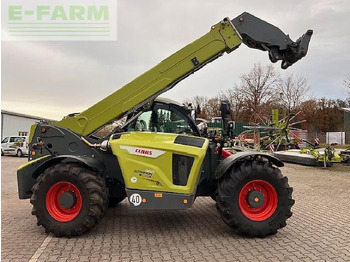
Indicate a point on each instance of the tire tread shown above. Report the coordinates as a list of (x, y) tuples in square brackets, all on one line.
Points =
[(229, 184), (96, 190)]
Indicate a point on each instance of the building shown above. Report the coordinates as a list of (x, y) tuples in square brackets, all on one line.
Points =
[(15, 124), (347, 124), (346, 119)]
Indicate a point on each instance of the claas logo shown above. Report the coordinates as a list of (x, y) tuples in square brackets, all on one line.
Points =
[(143, 151)]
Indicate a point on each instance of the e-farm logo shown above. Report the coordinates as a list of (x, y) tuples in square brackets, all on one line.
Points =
[(60, 20)]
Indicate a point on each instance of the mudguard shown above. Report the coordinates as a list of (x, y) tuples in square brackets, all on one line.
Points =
[(231, 160), (28, 173), (90, 162)]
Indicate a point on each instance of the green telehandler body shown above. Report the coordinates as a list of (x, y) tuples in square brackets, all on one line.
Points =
[(157, 158)]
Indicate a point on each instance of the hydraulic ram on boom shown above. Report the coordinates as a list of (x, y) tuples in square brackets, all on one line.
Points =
[(224, 36)]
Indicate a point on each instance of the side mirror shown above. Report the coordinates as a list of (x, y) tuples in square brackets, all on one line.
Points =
[(192, 110), (225, 109), (231, 129)]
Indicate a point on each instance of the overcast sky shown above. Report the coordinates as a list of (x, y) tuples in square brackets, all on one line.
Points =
[(54, 78)]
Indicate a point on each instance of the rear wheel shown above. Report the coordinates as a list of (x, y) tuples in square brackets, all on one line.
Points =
[(254, 199), (69, 199)]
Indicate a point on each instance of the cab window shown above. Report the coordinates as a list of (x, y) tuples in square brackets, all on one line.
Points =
[(5, 140), (162, 119)]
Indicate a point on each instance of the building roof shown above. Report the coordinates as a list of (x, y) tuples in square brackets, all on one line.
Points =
[(6, 112), (346, 109)]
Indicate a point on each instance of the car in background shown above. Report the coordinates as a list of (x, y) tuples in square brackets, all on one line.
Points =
[(14, 145)]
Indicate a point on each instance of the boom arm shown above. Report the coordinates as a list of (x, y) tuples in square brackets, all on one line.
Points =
[(224, 36)]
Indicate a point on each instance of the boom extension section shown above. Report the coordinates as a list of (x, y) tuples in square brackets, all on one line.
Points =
[(224, 36)]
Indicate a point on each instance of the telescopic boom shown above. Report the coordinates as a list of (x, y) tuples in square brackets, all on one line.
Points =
[(224, 36)]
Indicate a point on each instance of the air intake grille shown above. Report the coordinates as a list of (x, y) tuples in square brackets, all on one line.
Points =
[(181, 169)]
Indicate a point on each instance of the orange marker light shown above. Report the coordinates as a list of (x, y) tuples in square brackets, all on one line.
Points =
[(144, 200), (33, 153), (185, 201)]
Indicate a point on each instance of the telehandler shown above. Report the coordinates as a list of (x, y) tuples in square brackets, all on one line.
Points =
[(158, 159)]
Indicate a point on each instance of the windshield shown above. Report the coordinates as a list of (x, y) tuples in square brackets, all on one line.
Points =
[(162, 118)]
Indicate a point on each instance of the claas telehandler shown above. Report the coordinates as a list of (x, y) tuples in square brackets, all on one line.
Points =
[(157, 158)]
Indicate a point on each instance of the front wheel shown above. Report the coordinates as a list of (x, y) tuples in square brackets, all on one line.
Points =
[(254, 199), (19, 153), (68, 199)]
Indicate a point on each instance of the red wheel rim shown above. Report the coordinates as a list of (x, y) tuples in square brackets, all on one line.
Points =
[(265, 197), (54, 207)]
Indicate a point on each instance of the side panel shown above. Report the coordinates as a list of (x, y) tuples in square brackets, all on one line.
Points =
[(145, 199), (153, 161), (59, 145)]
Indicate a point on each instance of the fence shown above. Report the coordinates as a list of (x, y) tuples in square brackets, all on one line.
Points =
[(323, 136)]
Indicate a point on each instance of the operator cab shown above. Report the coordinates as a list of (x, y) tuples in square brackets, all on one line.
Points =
[(165, 116)]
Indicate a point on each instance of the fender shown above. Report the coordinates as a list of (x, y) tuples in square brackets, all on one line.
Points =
[(225, 165), (90, 162), (27, 174)]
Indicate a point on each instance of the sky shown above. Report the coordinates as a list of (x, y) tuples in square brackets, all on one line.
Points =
[(54, 78)]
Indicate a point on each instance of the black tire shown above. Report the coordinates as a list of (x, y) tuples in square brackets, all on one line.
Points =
[(105, 193), (2, 153), (231, 195), (114, 201), (19, 153), (92, 192)]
